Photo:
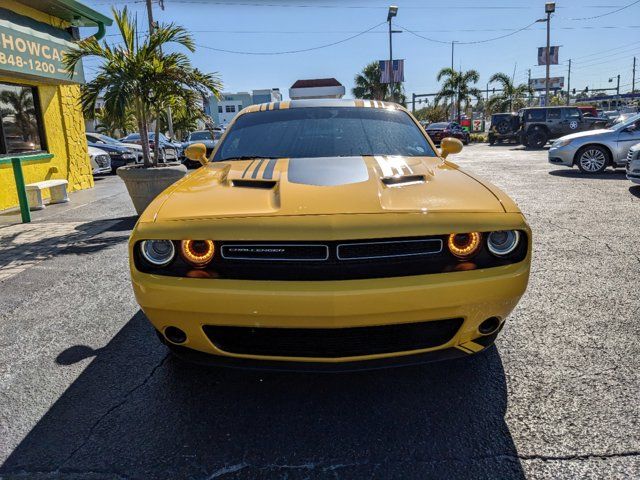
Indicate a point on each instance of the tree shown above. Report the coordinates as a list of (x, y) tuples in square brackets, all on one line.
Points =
[(112, 125), (457, 87), (20, 106), (368, 86), (137, 75), (512, 98), (434, 113)]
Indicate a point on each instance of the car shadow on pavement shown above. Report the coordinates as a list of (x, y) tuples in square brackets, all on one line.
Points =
[(635, 190), (137, 412), (606, 175)]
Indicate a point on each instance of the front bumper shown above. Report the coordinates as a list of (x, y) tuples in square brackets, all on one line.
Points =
[(191, 303), (633, 170), (562, 155)]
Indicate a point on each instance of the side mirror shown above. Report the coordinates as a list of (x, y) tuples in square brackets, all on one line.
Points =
[(197, 152), (449, 146)]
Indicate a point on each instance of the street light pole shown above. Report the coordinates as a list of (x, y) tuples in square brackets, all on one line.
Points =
[(393, 11), (549, 8)]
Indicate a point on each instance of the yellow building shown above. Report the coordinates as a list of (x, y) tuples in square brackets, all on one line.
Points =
[(39, 100)]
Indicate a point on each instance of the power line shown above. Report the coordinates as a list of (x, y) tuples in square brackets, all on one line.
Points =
[(608, 13), (355, 7), (468, 43), (292, 51)]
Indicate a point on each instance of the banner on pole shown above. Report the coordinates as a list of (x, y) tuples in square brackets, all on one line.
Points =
[(539, 84), (385, 71), (553, 55)]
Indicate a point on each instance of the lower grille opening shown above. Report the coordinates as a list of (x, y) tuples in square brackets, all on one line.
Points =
[(333, 342)]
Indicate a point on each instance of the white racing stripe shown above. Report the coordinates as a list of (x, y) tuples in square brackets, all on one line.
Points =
[(384, 166)]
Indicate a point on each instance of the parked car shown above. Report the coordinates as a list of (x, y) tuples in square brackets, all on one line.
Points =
[(101, 139), (633, 164), (120, 156), (538, 125), (100, 160), (504, 127), (440, 130), (310, 239), (168, 151), (206, 137), (593, 151)]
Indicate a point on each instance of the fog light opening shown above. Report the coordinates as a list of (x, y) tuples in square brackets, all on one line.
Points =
[(489, 326), (175, 335)]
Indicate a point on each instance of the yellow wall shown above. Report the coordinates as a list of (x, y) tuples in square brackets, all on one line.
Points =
[(63, 126)]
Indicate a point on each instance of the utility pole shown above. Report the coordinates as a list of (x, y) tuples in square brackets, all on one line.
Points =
[(569, 84), (452, 48), (152, 27), (633, 79), (413, 103), (549, 8), (393, 11), (529, 85)]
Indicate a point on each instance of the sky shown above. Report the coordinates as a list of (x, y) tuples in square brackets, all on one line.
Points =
[(600, 40)]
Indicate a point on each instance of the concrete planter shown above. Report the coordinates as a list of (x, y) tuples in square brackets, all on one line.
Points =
[(145, 184)]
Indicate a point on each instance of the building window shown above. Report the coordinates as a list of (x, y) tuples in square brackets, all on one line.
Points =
[(239, 107), (21, 126), (230, 108), (219, 108)]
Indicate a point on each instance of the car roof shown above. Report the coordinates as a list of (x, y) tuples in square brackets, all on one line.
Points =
[(322, 102)]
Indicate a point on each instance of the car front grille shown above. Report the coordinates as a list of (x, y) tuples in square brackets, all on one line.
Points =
[(333, 342)]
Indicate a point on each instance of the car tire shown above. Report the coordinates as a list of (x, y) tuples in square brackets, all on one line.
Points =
[(592, 159), (537, 138), (465, 140), (503, 127), (492, 140)]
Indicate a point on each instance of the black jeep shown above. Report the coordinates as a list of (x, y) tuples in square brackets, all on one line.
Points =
[(504, 127), (538, 125)]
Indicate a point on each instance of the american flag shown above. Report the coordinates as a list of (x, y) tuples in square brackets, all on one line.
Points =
[(553, 55), (385, 71)]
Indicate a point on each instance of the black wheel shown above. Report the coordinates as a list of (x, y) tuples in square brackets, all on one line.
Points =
[(465, 140), (503, 127), (537, 138), (492, 140), (592, 159)]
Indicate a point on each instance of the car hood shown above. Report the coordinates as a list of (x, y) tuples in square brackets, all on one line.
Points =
[(93, 151), (586, 133), (324, 186), (132, 146)]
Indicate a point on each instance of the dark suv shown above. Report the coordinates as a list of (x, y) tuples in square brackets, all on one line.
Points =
[(538, 125), (504, 127)]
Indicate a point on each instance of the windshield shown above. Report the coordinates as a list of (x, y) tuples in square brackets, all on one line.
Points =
[(200, 136), (323, 132), (438, 125), (107, 139)]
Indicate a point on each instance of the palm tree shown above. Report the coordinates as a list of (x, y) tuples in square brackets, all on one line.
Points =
[(20, 105), (110, 125), (457, 87), (137, 75), (368, 86), (513, 97)]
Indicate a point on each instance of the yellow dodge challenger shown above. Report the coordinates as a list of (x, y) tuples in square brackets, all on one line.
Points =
[(328, 234)]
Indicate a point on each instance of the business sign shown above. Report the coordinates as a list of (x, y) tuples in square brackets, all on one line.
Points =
[(553, 55), (32, 48), (555, 83), (385, 71)]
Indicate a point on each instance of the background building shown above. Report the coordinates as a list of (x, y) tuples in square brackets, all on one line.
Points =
[(224, 110), (39, 100)]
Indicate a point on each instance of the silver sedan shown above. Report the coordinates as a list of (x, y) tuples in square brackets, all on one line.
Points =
[(633, 164), (594, 150)]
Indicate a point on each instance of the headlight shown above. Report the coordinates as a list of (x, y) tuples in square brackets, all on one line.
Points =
[(464, 245), (561, 143), (158, 252), (197, 252), (503, 242)]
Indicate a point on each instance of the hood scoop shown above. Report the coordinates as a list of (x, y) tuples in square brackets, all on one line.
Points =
[(404, 180), (250, 183)]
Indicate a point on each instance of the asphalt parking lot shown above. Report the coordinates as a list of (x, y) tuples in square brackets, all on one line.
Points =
[(87, 392)]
